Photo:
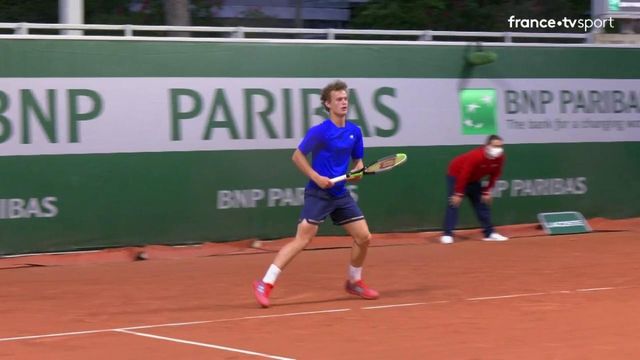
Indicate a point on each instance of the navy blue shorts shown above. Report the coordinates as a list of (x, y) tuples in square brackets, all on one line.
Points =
[(318, 204)]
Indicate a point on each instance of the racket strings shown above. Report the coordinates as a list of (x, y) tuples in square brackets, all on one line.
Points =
[(386, 163)]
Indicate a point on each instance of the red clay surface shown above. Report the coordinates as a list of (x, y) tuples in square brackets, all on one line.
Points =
[(533, 297)]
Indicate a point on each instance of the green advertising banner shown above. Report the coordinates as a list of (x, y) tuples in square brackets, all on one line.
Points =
[(192, 142)]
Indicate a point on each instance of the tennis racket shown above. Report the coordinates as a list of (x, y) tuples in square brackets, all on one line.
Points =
[(385, 164)]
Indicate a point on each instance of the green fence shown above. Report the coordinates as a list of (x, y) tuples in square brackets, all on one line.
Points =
[(127, 179)]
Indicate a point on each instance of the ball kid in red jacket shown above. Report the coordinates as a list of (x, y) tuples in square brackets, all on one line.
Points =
[(464, 176)]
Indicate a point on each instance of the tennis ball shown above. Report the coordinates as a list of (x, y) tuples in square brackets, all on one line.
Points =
[(481, 57), (256, 244)]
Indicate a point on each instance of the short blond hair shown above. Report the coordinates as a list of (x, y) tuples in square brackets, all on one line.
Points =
[(337, 85)]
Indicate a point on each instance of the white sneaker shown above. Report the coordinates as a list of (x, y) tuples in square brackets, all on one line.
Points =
[(446, 239), (496, 237)]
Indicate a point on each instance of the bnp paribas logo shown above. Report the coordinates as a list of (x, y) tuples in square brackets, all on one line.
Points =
[(614, 5), (478, 109)]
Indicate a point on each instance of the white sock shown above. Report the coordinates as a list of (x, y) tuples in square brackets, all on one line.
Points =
[(272, 275), (355, 273)]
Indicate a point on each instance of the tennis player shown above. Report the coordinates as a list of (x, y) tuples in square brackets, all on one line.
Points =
[(463, 178), (332, 144)]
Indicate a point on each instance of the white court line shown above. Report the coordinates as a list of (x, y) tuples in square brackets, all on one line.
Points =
[(391, 306), (596, 289), (231, 319), (30, 337), (212, 346), (403, 305), (54, 335), (506, 296), (287, 314), (547, 293), (562, 292)]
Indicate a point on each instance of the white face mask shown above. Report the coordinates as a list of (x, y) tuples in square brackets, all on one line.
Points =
[(493, 152)]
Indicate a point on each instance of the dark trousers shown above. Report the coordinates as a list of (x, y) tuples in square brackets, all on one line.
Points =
[(474, 192)]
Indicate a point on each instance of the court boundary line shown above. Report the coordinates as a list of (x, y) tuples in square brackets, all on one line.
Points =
[(326, 311), (206, 345), (507, 296), (187, 323)]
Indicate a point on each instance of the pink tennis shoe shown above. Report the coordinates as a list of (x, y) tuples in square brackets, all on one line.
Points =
[(359, 288), (261, 291)]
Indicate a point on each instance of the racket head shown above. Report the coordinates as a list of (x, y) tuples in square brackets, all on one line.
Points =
[(386, 163)]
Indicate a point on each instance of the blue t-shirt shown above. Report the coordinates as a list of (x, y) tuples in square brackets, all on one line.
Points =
[(332, 149)]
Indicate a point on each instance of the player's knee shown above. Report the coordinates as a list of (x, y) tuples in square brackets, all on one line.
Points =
[(303, 241), (363, 240)]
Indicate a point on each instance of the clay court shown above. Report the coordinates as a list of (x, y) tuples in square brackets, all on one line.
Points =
[(533, 297)]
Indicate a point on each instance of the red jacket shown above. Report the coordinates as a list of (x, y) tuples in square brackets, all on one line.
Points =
[(473, 166)]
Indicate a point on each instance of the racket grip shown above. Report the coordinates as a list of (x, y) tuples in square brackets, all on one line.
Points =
[(338, 179)]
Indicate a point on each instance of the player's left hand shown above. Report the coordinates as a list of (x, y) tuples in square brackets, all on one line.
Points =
[(355, 175), (486, 198)]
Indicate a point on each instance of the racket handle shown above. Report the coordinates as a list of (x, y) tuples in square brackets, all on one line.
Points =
[(338, 179)]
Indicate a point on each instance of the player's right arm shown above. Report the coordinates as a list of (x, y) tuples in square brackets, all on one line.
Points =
[(302, 163), (311, 141)]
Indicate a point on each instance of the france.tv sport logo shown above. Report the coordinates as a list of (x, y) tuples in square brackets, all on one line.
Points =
[(478, 110)]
